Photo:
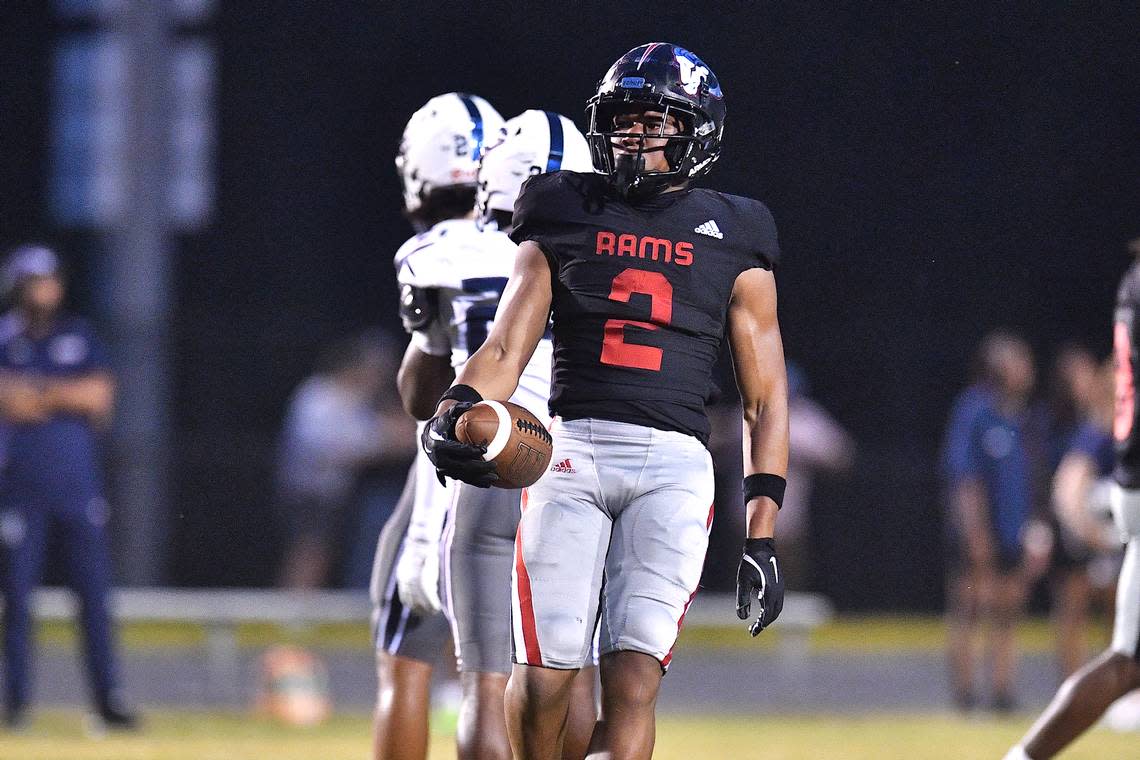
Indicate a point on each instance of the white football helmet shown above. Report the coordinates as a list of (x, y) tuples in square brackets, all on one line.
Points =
[(442, 144), (531, 143)]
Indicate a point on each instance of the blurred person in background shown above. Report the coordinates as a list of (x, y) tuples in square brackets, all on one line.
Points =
[(437, 162), (56, 394), (341, 420), (1085, 696), (1052, 422), (817, 445), (378, 483), (1085, 543), (994, 554)]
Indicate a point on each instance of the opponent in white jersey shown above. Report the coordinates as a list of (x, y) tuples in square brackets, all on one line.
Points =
[(438, 161), (454, 274), (452, 278)]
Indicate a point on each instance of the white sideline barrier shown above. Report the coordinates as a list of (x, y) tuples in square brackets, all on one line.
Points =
[(220, 611), (216, 606)]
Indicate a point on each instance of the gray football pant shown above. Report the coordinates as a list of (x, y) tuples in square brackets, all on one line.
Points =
[(478, 552), (1126, 626), (614, 533)]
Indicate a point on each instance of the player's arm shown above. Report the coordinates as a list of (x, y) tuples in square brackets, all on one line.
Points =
[(425, 371), (1071, 487), (20, 399), (971, 507), (968, 501), (494, 370), (422, 379), (92, 395), (758, 360)]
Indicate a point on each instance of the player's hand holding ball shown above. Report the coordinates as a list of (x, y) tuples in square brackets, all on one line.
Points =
[(511, 438), (450, 456), (759, 574)]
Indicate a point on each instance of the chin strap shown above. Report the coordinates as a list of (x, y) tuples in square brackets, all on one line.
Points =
[(627, 168), (631, 181)]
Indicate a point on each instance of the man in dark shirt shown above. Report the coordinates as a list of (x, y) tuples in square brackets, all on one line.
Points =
[(643, 278), (55, 391)]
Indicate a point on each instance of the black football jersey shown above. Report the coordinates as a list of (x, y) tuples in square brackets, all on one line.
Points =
[(1124, 340), (640, 293)]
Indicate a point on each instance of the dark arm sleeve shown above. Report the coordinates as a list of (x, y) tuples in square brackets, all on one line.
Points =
[(537, 216), (766, 240)]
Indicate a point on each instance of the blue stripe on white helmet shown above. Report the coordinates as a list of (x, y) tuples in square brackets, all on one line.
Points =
[(534, 142)]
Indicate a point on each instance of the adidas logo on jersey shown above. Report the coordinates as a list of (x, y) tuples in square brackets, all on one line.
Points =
[(564, 466), (709, 228)]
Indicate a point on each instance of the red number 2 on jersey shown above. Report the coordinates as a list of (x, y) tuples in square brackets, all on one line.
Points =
[(614, 348), (1125, 390)]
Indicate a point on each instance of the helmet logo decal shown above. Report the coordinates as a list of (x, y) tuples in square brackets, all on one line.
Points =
[(632, 83), (692, 74)]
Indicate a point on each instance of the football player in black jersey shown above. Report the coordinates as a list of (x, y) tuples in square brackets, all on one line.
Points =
[(1086, 694), (643, 277)]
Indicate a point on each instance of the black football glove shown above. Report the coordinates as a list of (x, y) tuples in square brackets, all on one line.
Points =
[(759, 572), (461, 461)]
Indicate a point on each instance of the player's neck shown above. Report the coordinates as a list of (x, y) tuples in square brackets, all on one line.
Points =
[(39, 322)]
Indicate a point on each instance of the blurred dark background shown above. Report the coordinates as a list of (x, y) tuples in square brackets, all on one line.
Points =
[(934, 172)]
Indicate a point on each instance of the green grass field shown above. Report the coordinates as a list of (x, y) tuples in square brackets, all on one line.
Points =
[(58, 735), (198, 735)]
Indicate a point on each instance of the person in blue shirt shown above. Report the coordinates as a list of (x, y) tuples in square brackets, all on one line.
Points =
[(987, 470), (56, 392)]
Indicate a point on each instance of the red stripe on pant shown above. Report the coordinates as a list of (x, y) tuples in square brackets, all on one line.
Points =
[(526, 603), (681, 621)]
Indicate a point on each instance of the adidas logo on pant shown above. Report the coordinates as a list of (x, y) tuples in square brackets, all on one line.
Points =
[(563, 466), (709, 228)]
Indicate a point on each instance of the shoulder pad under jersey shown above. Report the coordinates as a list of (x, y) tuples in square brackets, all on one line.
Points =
[(418, 306)]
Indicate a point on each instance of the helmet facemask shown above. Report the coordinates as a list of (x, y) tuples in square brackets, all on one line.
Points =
[(675, 83), (627, 170)]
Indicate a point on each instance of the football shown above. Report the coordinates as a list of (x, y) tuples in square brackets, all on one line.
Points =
[(517, 442)]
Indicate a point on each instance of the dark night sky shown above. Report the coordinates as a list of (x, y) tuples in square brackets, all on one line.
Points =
[(934, 173)]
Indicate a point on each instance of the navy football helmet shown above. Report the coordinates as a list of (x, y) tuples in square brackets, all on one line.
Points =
[(666, 78)]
